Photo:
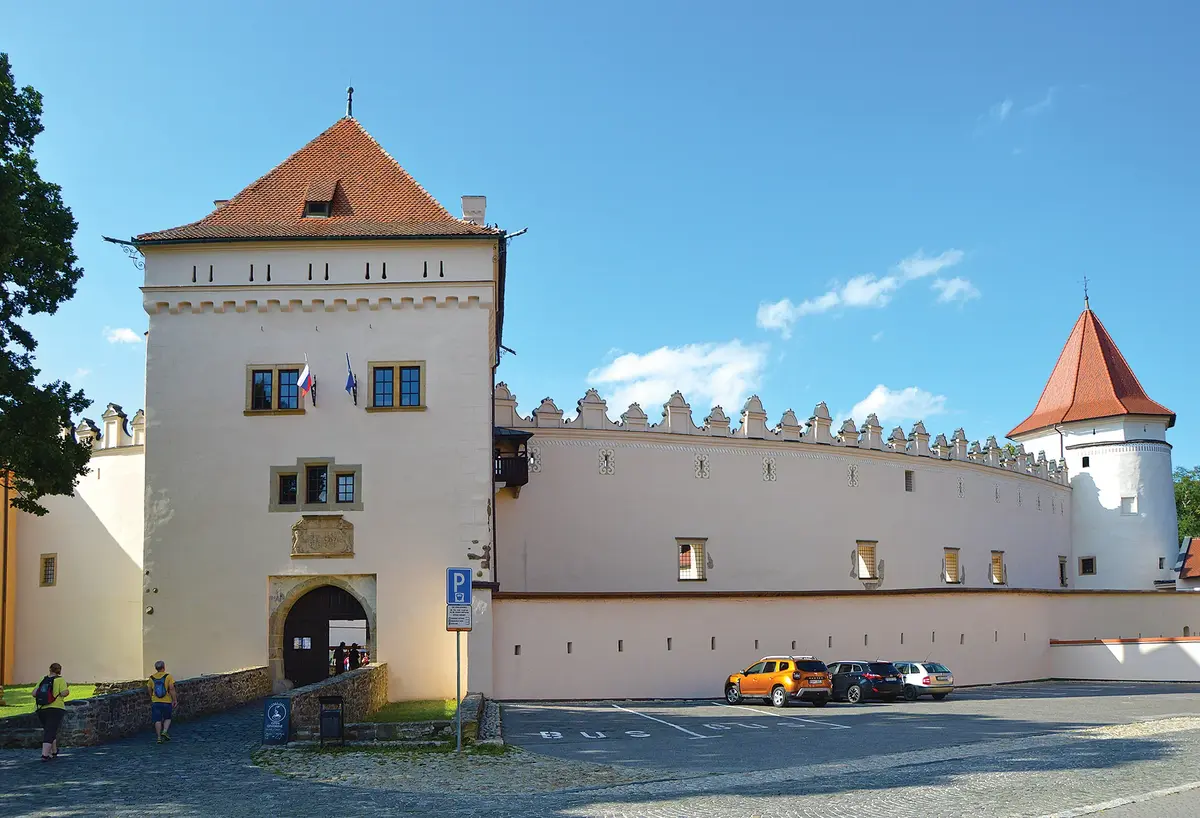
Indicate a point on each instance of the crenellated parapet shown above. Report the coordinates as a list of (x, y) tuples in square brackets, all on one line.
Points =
[(818, 430), (116, 430)]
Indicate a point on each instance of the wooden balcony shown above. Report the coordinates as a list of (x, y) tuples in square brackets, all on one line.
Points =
[(512, 470)]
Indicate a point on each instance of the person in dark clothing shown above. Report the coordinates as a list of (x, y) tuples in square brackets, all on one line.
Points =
[(339, 659), (355, 657)]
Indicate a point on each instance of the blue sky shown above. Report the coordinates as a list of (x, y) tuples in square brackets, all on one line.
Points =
[(926, 185)]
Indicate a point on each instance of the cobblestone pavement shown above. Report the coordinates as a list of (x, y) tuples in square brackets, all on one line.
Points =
[(208, 770)]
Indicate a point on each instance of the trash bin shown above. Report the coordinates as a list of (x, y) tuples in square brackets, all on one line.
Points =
[(332, 720)]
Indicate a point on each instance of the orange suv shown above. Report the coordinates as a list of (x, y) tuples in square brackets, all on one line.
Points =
[(781, 679)]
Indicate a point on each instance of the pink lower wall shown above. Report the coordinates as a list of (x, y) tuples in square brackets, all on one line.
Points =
[(1138, 660), (619, 648)]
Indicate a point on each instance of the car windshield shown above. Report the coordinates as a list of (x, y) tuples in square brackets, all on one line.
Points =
[(936, 668), (884, 667), (811, 666)]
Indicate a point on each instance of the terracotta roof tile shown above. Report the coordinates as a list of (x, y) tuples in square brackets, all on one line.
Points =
[(372, 197), (1091, 380), (1191, 560)]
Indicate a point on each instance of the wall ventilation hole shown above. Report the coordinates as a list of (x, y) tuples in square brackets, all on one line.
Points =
[(996, 636), (368, 271), (864, 640), (327, 271), (193, 273), (441, 269), (901, 637), (933, 636), (756, 644), (268, 272), (1024, 637), (569, 646), (668, 643), (310, 272), (620, 646), (251, 272), (713, 644), (210, 274), (425, 270), (516, 650), (962, 639), (831, 641), (385, 269), (793, 644)]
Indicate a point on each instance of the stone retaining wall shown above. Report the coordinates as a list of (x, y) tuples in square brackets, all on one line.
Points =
[(411, 731), (116, 715), (107, 688), (365, 690)]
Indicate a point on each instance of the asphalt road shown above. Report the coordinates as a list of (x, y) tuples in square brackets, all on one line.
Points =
[(714, 737)]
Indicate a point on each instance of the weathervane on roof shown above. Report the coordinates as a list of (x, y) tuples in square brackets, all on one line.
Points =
[(1085, 294), (350, 101)]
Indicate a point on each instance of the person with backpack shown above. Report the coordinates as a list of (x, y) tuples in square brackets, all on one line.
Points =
[(50, 697), (162, 700)]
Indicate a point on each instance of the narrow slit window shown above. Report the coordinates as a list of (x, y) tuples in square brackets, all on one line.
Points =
[(49, 572), (1062, 572), (998, 574), (909, 480), (951, 572)]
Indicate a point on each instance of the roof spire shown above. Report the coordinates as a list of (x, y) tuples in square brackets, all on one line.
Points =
[(1085, 294), (350, 102)]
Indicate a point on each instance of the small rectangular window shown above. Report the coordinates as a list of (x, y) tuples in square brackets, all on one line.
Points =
[(382, 379), (271, 389), (866, 560), (289, 389), (410, 386), (998, 574), (287, 489), (1087, 566), (951, 572), (262, 392), (1087, 461), (317, 481), (1162, 563), (1129, 506), (397, 386), (345, 488), (49, 572), (691, 559), (909, 480), (318, 210), (1062, 572)]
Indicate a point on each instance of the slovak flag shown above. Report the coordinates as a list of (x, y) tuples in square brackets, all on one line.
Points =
[(306, 382)]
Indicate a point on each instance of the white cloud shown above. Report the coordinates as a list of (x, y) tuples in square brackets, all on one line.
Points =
[(896, 405), (122, 335), (861, 291), (955, 289), (706, 374), (82, 373), (1000, 111), (877, 336), (920, 265), (1044, 104)]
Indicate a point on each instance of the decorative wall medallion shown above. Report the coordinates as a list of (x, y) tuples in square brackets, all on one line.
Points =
[(607, 461), (768, 470), (852, 475), (319, 535), (702, 467), (961, 488), (535, 459)]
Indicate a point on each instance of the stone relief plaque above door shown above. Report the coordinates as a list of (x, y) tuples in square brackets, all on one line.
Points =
[(322, 536)]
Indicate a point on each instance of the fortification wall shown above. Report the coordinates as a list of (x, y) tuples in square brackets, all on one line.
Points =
[(607, 505), (89, 618)]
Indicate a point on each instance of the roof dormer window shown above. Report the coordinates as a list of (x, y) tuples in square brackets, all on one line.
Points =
[(318, 201), (317, 210)]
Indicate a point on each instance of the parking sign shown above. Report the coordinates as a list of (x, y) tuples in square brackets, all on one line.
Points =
[(458, 586)]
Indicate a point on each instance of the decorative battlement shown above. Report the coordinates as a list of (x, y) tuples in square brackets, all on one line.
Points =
[(116, 430), (817, 430)]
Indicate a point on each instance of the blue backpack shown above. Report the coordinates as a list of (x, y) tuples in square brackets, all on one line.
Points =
[(160, 687)]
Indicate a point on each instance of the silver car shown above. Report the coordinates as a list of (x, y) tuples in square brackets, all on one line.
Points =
[(925, 679)]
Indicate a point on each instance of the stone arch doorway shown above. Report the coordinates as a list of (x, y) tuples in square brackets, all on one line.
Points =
[(286, 594), (306, 632)]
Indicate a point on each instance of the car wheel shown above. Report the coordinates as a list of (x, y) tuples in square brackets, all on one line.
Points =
[(733, 694), (911, 693), (821, 702), (779, 696), (854, 694), (940, 696)]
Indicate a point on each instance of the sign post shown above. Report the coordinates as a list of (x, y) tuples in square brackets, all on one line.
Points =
[(458, 619)]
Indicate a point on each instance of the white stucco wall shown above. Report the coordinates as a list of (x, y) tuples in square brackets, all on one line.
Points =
[(1127, 458), (90, 620), (984, 637), (211, 542), (1152, 660), (574, 528)]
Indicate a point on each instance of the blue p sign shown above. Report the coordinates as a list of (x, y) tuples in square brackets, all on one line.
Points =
[(458, 586)]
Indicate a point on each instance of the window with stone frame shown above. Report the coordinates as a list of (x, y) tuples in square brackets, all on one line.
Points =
[(691, 559), (316, 484), (999, 575), (273, 389), (397, 386), (48, 563), (950, 566), (865, 552)]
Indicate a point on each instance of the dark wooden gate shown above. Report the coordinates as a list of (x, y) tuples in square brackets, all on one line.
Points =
[(306, 632)]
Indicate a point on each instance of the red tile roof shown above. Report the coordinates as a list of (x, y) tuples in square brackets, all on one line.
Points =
[(373, 197), (1091, 380), (1191, 560)]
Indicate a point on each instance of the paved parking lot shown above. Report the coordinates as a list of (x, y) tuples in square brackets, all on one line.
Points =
[(713, 737)]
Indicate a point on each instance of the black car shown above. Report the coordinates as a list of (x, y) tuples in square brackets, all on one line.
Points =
[(854, 681)]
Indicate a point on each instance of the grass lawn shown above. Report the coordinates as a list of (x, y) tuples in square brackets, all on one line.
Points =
[(422, 710), (18, 699)]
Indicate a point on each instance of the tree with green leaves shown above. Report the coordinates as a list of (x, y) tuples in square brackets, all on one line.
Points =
[(1187, 500), (38, 272)]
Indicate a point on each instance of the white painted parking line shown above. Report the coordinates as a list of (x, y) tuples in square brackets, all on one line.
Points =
[(660, 721), (1092, 809), (780, 715)]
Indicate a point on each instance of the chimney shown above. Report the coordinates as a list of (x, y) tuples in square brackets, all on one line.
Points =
[(474, 209)]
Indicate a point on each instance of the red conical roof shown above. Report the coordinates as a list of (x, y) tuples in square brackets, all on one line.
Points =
[(371, 196), (1091, 380)]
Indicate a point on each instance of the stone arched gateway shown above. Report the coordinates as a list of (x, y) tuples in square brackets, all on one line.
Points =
[(285, 591)]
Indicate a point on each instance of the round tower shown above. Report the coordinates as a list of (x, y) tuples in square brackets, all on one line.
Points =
[(1095, 416)]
